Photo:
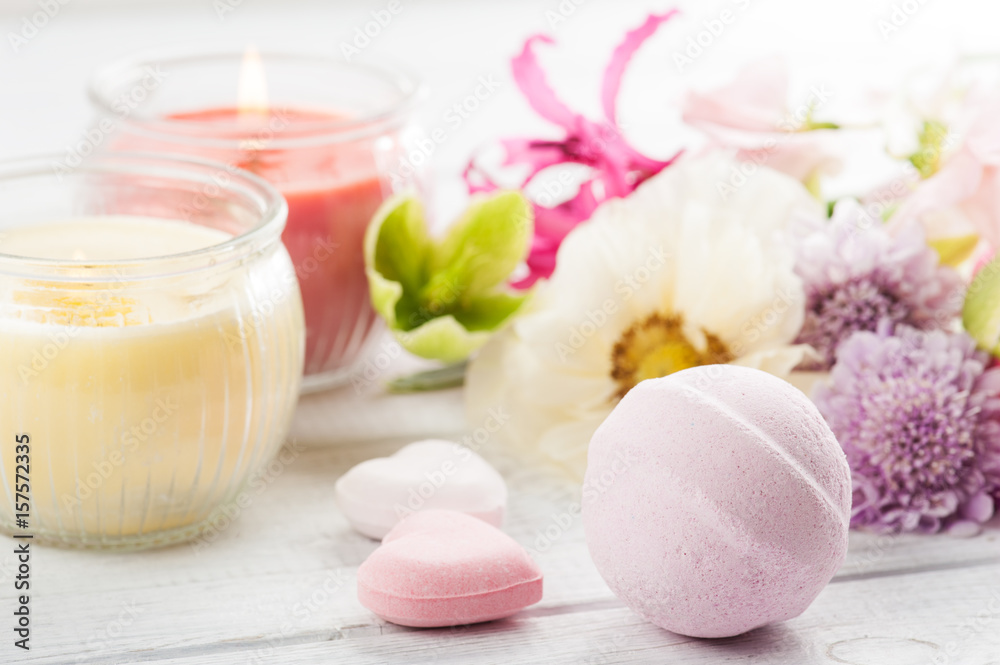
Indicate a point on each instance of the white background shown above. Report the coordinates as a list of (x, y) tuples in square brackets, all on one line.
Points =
[(837, 44)]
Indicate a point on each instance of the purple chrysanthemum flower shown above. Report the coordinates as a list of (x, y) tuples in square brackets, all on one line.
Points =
[(857, 275), (918, 414)]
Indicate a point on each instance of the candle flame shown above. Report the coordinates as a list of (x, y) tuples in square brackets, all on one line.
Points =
[(79, 255), (251, 93)]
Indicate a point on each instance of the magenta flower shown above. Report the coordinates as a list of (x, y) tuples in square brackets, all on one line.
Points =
[(918, 415), (617, 168), (857, 275)]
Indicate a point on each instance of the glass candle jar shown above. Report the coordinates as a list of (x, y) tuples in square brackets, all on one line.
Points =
[(152, 341), (325, 132)]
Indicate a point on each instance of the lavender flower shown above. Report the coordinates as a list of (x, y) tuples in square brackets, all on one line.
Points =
[(857, 275), (918, 414)]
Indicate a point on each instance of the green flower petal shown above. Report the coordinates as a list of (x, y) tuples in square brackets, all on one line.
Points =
[(442, 338), (396, 242), (489, 312), (482, 249), (444, 300), (981, 313), (384, 294)]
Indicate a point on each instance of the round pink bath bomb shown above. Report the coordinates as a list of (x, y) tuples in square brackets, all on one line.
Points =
[(716, 500)]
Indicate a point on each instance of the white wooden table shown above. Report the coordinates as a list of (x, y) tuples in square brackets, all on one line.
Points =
[(278, 585)]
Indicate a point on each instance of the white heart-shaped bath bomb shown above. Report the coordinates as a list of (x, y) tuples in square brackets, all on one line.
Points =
[(434, 474)]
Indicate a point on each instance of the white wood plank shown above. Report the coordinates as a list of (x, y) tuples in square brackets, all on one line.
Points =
[(253, 585), (359, 410), (909, 619)]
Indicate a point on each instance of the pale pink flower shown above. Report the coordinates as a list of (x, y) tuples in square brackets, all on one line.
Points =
[(963, 196), (752, 116)]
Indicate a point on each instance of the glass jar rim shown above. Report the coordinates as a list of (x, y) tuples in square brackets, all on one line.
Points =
[(109, 79), (271, 208)]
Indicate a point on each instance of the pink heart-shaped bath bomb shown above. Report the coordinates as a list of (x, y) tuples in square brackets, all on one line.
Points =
[(445, 568)]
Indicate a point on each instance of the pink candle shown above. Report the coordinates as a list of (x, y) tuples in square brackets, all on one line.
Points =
[(324, 141), (331, 194)]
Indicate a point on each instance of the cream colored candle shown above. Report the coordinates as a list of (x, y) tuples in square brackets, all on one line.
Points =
[(149, 401)]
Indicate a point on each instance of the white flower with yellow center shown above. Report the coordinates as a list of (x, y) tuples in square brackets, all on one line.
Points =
[(692, 268)]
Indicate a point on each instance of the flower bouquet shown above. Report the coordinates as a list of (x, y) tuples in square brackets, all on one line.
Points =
[(884, 306)]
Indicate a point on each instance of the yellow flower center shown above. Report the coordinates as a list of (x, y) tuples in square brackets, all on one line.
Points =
[(657, 346)]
